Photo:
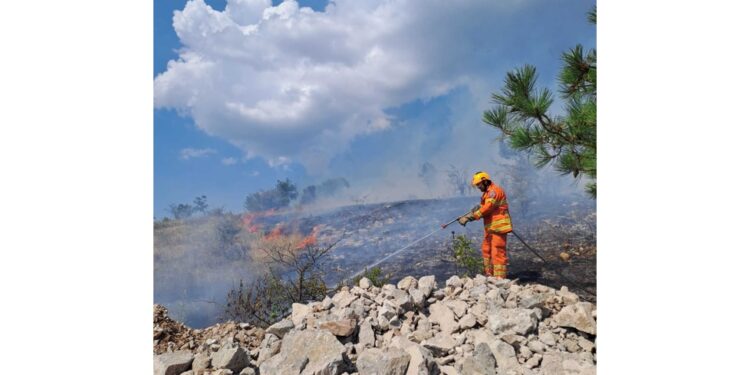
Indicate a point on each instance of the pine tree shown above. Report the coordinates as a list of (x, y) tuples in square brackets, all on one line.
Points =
[(522, 115)]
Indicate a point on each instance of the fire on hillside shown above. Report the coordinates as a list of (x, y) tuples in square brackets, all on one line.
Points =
[(365, 234)]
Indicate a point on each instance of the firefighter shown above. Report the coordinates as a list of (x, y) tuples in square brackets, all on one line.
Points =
[(494, 209)]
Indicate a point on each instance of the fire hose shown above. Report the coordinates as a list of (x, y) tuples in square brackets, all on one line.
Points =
[(556, 271)]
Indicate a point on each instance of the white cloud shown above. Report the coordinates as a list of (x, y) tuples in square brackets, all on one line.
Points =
[(290, 84), (189, 153), (229, 161)]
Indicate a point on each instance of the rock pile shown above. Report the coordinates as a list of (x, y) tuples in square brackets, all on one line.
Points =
[(170, 336), (472, 326)]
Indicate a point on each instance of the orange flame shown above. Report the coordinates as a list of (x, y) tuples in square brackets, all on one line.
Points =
[(310, 240), (248, 220), (275, 233)]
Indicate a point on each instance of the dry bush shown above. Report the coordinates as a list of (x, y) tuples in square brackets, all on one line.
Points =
[(293, 275)]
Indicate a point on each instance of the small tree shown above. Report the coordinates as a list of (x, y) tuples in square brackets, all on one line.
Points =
[(308, 195), (286, 191), (279, 197), (308, 282), (200, 205), (181, 211), (332, 186), (428, 174), (523, 117), (520, 181), (468, 261), (459, 179), (265, 300)]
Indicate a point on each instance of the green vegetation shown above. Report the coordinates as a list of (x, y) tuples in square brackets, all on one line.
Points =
[(185, 210), (285, 193), (278, 197), (468, 261), (327, 188), (523, 115)]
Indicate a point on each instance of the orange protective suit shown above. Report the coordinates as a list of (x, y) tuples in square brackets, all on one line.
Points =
[(494, 210)]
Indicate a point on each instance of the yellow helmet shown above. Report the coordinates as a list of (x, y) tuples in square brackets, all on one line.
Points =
[(479, 177)]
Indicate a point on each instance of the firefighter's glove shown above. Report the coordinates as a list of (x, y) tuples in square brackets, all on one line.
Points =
[(464, 219)]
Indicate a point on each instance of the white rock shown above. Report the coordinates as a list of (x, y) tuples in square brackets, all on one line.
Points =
[(270, 345), (585, 344), (402, 300), (417, 296), (426, 285), (299, 313), (342, 328), (520, 321), (443, 315), (174, 363), (481, 363), (387, 310), (307, 352), (201, 362), (343, 299), (365, 283), (534, 361), (531, 300), (440, 344), (548, 338), (568, 298), (366, 334), (388, 361), (454, 281), (326, 303), (577, 316), (232, 358), (554, 363), (467, 321), (536, 346), (459, 307), (280, 328), (407, 283), (422, 361), (478, 291), (479, 310)]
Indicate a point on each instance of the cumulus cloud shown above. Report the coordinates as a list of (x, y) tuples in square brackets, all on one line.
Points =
[(289, 84), (189, 153), (229, 161)]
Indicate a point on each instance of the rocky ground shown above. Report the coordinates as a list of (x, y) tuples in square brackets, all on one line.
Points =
[(471, 326)]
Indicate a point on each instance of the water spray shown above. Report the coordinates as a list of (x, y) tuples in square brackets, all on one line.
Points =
[(362, 271), (442, 226)]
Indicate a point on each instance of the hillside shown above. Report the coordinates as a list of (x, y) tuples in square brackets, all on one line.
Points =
[(197, 261)]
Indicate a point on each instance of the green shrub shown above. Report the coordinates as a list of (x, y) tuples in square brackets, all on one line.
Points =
[(468, 260)]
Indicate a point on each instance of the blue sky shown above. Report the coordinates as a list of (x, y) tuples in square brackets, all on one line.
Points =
[(362, 91)]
